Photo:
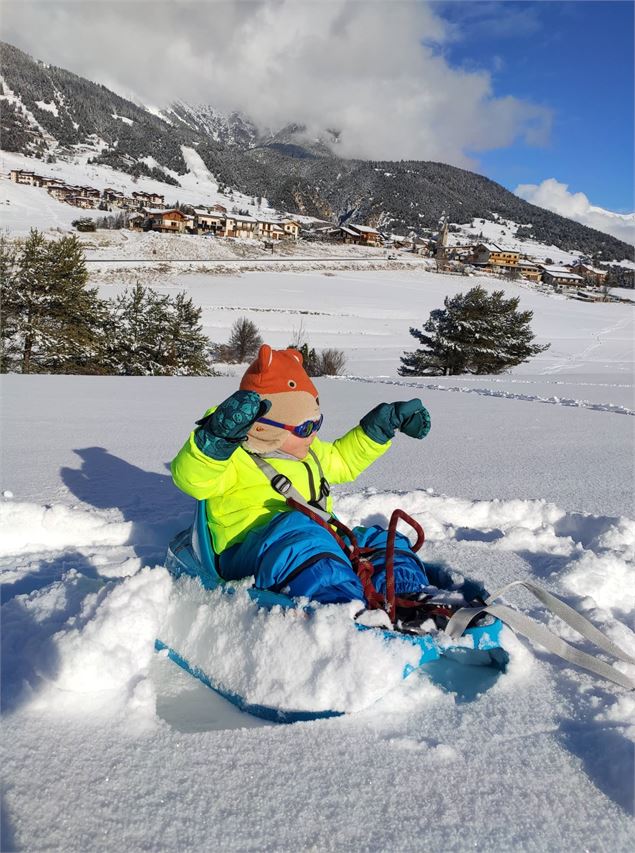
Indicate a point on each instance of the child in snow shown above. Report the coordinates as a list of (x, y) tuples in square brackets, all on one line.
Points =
[(261, 445)]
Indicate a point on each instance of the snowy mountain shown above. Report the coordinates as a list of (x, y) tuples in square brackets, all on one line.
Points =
[(232, 131), (51, 113)]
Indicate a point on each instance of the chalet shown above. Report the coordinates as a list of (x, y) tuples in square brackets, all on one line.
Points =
[(344, 234), (112, 196), (290, 227), (270, 229), (141, 199), (398, 242), (459, 253), (62, 191), (421, 246), (82, 201), (322, 232), (136, 221), (531, 272), (557, 276), (209, 222), (21, 176), (591, 274), (89, 192), (493, 256), (171, 220), (368, 236), (52, 182), (240, 226)]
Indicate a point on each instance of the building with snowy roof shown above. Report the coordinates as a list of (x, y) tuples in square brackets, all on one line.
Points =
[(361, 235), (494, 256), (589, 272), (556, 275), (171, 220)]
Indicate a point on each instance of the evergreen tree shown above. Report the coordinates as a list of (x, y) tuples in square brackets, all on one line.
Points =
[(50, 320), (152, 335), (474, 333), (135, 327), (310, 359), (187, 348)]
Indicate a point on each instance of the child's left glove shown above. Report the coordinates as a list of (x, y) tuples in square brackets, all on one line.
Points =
[(411, 417)]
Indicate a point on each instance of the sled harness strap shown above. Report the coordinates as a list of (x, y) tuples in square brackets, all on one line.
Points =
[(536, 632), (359, 556), (286, 489)]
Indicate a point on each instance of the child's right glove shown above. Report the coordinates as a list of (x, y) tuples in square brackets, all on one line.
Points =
[(220, 433), (411, 417)]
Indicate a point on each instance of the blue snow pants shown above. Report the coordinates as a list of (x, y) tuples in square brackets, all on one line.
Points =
[(293, 554)]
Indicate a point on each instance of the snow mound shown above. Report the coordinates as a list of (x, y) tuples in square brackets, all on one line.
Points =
[(104, 652), (310, 659), (92, 609), (28, 527)]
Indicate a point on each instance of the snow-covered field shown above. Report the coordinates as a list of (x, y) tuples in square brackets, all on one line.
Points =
[(108, 746), (368, 315)]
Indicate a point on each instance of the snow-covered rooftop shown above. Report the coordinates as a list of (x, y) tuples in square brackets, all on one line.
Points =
[(563, 273), (365, 229)]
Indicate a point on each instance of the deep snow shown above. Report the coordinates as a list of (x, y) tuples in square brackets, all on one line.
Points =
[(108, 746)]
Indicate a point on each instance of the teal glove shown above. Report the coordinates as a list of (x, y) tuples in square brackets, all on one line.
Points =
[(411, 418), (220, 433)]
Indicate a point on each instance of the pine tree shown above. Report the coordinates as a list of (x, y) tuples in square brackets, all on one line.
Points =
[(147, 334), (136, 325), (50, 319), (310, 359), (474, 333), (187, 348)]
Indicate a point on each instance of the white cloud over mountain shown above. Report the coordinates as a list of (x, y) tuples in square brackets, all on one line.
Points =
[(374, 71), (555, 196)]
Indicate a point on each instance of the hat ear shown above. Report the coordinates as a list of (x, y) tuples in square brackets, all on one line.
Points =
[(296, 354), (265, 357)]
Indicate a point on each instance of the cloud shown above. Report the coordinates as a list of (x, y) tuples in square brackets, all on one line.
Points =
[(373, 70), (555, 196), (492, 19)]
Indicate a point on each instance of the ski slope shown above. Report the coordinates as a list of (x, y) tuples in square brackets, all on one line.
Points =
[(529, 475)]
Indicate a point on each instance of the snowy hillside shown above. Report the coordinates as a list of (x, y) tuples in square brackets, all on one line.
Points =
[(24, 207), (527, 475)]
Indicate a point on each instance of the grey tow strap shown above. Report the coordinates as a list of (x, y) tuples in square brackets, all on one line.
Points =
[(285, 487), (539, 633)]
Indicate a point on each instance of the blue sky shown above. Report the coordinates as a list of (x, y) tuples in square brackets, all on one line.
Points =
[(576, 58)]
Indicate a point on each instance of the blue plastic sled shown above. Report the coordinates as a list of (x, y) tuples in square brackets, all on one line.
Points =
[(190, 553)]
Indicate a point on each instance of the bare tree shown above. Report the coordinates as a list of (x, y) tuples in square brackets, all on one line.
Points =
[(299, 337), (331, 362)]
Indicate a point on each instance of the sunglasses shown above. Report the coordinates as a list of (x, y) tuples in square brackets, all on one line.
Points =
[(303, 430)]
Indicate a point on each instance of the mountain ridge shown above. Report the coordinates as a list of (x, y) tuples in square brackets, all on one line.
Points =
[(50, 112)]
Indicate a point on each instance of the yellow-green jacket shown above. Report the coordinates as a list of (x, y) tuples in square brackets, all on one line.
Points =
[(239, 495)]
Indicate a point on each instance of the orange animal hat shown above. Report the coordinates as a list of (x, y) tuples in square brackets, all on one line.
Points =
[(278, 376)]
